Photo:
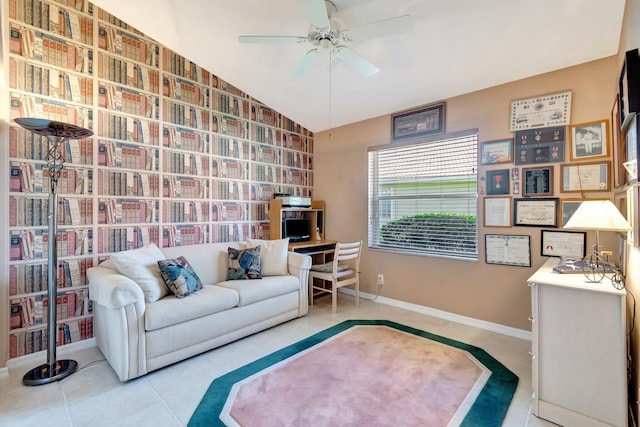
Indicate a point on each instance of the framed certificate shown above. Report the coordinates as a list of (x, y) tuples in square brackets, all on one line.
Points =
[(497, 211), (571, 244), (538, 212), (506, 249), (579, 177), (541, 111)]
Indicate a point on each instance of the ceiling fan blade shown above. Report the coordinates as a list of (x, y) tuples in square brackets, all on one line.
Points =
[(271, 39), (316, 13), (355, 61), (386, 27), (308, 60)]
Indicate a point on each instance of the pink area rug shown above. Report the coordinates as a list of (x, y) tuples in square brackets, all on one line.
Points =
[(368, 375), (357, 373)]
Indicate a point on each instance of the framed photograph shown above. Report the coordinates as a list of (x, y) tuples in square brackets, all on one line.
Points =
[(568, 208), (507, 249), (494, 152), (629, 87), (497, 211), (631, 150), (498, 182), (537, 181), (618, 146), (570, 244), (539, 212), (540, 145), (424, 121), (579, 177), (589, 140), (541, 111)]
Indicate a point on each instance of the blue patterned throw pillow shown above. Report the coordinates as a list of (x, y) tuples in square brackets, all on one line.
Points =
[(179, 276), (244, 263)]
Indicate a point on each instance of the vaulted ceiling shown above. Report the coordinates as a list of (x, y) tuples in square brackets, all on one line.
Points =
[(452, 47)]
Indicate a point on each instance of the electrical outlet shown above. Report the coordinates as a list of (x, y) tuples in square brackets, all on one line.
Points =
[(380, 281)]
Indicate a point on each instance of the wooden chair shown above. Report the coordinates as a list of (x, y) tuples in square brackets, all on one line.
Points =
[(344, 270)]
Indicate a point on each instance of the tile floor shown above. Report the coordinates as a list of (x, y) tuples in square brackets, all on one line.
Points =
[(94, 396)]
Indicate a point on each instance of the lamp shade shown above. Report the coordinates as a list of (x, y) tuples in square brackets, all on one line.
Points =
[(598, 215)]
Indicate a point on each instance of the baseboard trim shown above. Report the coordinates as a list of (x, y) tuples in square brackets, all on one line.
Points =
[(37, 359), (441, 314)]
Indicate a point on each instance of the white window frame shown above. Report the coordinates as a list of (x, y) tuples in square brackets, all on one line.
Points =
[(376, 221)]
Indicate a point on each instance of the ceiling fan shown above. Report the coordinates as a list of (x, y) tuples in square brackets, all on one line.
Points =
[(326, 39)]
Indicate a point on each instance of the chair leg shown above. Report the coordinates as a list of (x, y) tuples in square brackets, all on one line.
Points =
[(310, 291), (334, 297), (358, 292)]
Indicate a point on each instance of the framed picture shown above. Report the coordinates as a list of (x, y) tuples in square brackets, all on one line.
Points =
[(631, 150), (541, 111), (570, 244), (506, 249), (633, 236), (498, 182), (537, 181), (618, 146), (589, 140), (424, 121), (540, 145), (497, 211), (494, 152), (579, 177), (568, 208), (629, 87), (539, 212)]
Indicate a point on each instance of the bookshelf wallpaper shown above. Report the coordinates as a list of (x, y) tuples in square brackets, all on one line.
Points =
[(178, 157)]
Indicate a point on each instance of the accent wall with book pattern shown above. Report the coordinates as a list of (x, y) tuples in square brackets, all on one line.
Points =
[(178, 157)]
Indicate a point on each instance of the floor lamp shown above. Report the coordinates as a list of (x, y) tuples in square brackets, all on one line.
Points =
[(57, 133)]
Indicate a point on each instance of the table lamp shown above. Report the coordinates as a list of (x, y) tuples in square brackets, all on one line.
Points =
[(597, 215), (57, 133)]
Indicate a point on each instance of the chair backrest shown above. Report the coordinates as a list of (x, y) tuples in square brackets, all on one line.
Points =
[(347, 252)]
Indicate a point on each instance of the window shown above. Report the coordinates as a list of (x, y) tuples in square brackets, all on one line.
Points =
[(423, 197)]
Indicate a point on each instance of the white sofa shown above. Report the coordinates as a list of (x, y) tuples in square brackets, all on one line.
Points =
[(138, 337)]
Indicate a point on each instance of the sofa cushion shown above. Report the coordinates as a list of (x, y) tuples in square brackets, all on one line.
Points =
[(171, 310), (179, 276), (251, 291), (141, 266), (273, 256), (243, 263)]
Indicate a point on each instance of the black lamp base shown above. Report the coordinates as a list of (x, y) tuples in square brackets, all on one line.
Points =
[(43, 374)]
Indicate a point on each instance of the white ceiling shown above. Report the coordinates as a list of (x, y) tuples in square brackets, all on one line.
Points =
[(455, 47)]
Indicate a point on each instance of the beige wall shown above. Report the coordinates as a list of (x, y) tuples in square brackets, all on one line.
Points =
[(488, 292)]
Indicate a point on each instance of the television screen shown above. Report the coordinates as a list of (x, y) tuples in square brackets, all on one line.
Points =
[(296, 229)]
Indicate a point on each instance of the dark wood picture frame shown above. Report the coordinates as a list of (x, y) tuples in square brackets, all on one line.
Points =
[(498, 182), (537, 181), (629, 88), (424, 121)]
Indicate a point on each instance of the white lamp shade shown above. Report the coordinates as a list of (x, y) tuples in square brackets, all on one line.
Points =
[(598, 215)]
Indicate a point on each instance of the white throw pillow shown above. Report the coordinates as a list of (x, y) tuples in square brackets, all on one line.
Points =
[(141, 266), (273, 256)]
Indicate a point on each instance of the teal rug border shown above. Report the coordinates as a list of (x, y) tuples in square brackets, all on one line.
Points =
[(488, 410)]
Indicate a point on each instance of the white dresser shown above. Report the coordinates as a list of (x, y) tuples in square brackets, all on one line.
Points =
[(579, 349)]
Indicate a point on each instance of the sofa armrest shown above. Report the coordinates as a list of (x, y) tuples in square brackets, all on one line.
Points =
[(299, 266), (111, 289)]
